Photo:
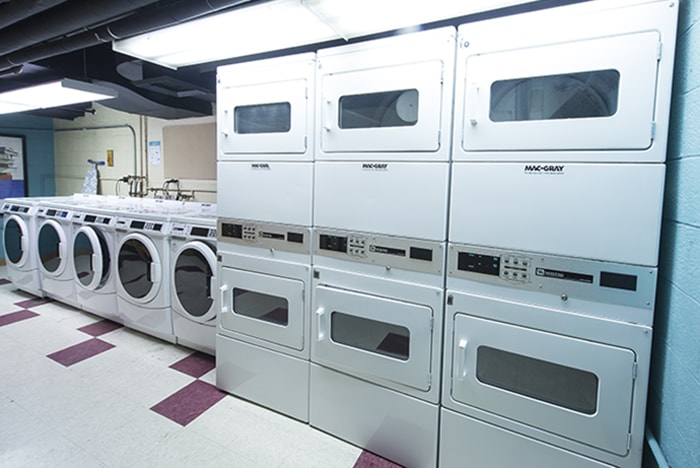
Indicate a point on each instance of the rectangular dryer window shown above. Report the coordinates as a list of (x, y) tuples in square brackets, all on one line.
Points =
[(263, 118), (554, 97), (386, 109)]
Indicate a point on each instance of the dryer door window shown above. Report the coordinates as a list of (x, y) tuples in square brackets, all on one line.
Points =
[(15, 238), (385, 110), (264, 307), (572, 387), (267, 118), (90, 258), (52, 248), (194, 281), (138, 268), (595, 94), (373, 337)]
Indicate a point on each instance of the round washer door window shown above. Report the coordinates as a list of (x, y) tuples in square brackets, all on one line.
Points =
[(52, 245), (138, 268), (15, 240), (193, 281), (90, 258)]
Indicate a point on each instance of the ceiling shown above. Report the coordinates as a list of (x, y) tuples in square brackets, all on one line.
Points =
[(44, 40)]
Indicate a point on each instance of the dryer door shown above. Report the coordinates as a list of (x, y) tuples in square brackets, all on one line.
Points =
[(91, 258), (373, 337), (194, 281), (16, 241), (596, 94), (53, 248), (575, 388), (139, 268), (263, 307), (386, 110)]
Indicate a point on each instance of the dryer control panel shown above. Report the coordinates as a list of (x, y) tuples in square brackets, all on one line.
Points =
[(390, 252), (564, 277), (283, 237)]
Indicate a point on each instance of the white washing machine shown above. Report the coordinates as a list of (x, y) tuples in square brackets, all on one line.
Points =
[(546, 360), (194, 285), (54, 244), (265, 109), (143, 273), (94, 257), (376, 341), (19, 240), (262, 342), (388, 99)]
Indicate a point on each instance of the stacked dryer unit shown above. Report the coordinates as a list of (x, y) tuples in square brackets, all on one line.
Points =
[(556, 198), (380, 219), (265, 181)]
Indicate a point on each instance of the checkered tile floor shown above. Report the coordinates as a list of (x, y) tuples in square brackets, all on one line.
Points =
[(80, 391)]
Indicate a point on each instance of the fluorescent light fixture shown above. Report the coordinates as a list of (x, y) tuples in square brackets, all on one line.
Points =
[(276, 25), (54, 94), (363, 17)]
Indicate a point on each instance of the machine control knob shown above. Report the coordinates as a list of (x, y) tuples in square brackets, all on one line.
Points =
[(564, 297), (388, 267)]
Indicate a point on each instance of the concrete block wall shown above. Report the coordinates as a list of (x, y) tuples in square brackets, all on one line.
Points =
[(674, 393)]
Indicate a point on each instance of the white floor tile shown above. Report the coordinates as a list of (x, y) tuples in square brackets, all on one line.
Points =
[(39, 449)]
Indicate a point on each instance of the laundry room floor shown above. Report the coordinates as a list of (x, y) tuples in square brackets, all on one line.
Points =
[(80, 391)]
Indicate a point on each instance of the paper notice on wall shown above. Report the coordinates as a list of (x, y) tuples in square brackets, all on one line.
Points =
[(154, 153)]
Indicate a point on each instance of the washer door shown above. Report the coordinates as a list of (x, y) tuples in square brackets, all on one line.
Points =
[(194, 281), (139, 268), (53, 248), (16, 241), (91, 258)]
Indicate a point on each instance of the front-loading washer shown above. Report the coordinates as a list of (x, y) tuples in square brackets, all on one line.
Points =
[(262, 341), (94, 257), (546, 360), (194, 285), (142, 273), (54, 246), (376, 340), (19, 240)]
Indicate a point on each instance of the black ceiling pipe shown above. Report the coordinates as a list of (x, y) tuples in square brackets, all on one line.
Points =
[(12, 12), (70, 17), (126, 27)]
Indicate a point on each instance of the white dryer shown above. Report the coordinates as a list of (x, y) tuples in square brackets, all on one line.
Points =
[(546, 360), (194, 283), (376, 340), (387, 99), (262, 342), (19, 241), (54, 244), (143, 273)]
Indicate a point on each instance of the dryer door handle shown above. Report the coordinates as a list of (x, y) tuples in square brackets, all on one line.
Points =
[(222, 295), (320, 324), (473, 104), (155, 273), (97, 263), (460, 369), (24, 244)]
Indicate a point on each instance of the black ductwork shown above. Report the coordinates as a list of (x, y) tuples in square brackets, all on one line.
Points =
[(13, 12), (120, 29)]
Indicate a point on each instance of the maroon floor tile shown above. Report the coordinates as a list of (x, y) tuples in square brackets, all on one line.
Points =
[(195, 365), (4, 281), (16, 317), (188, 403), (100, 328), (34, 301), (80, 352), (370, 460)]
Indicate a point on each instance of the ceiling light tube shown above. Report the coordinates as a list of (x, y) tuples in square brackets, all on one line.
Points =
[(53, 94)]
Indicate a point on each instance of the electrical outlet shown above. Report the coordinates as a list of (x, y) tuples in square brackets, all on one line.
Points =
[(110, 158)]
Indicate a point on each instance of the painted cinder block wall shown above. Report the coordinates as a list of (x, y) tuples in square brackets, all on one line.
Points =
[(674, 394)]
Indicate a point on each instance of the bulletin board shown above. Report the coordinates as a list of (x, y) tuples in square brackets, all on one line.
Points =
[(189, 151), (13, 161)]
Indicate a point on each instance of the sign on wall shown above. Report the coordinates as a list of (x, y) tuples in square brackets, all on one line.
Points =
[(12, 163)]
